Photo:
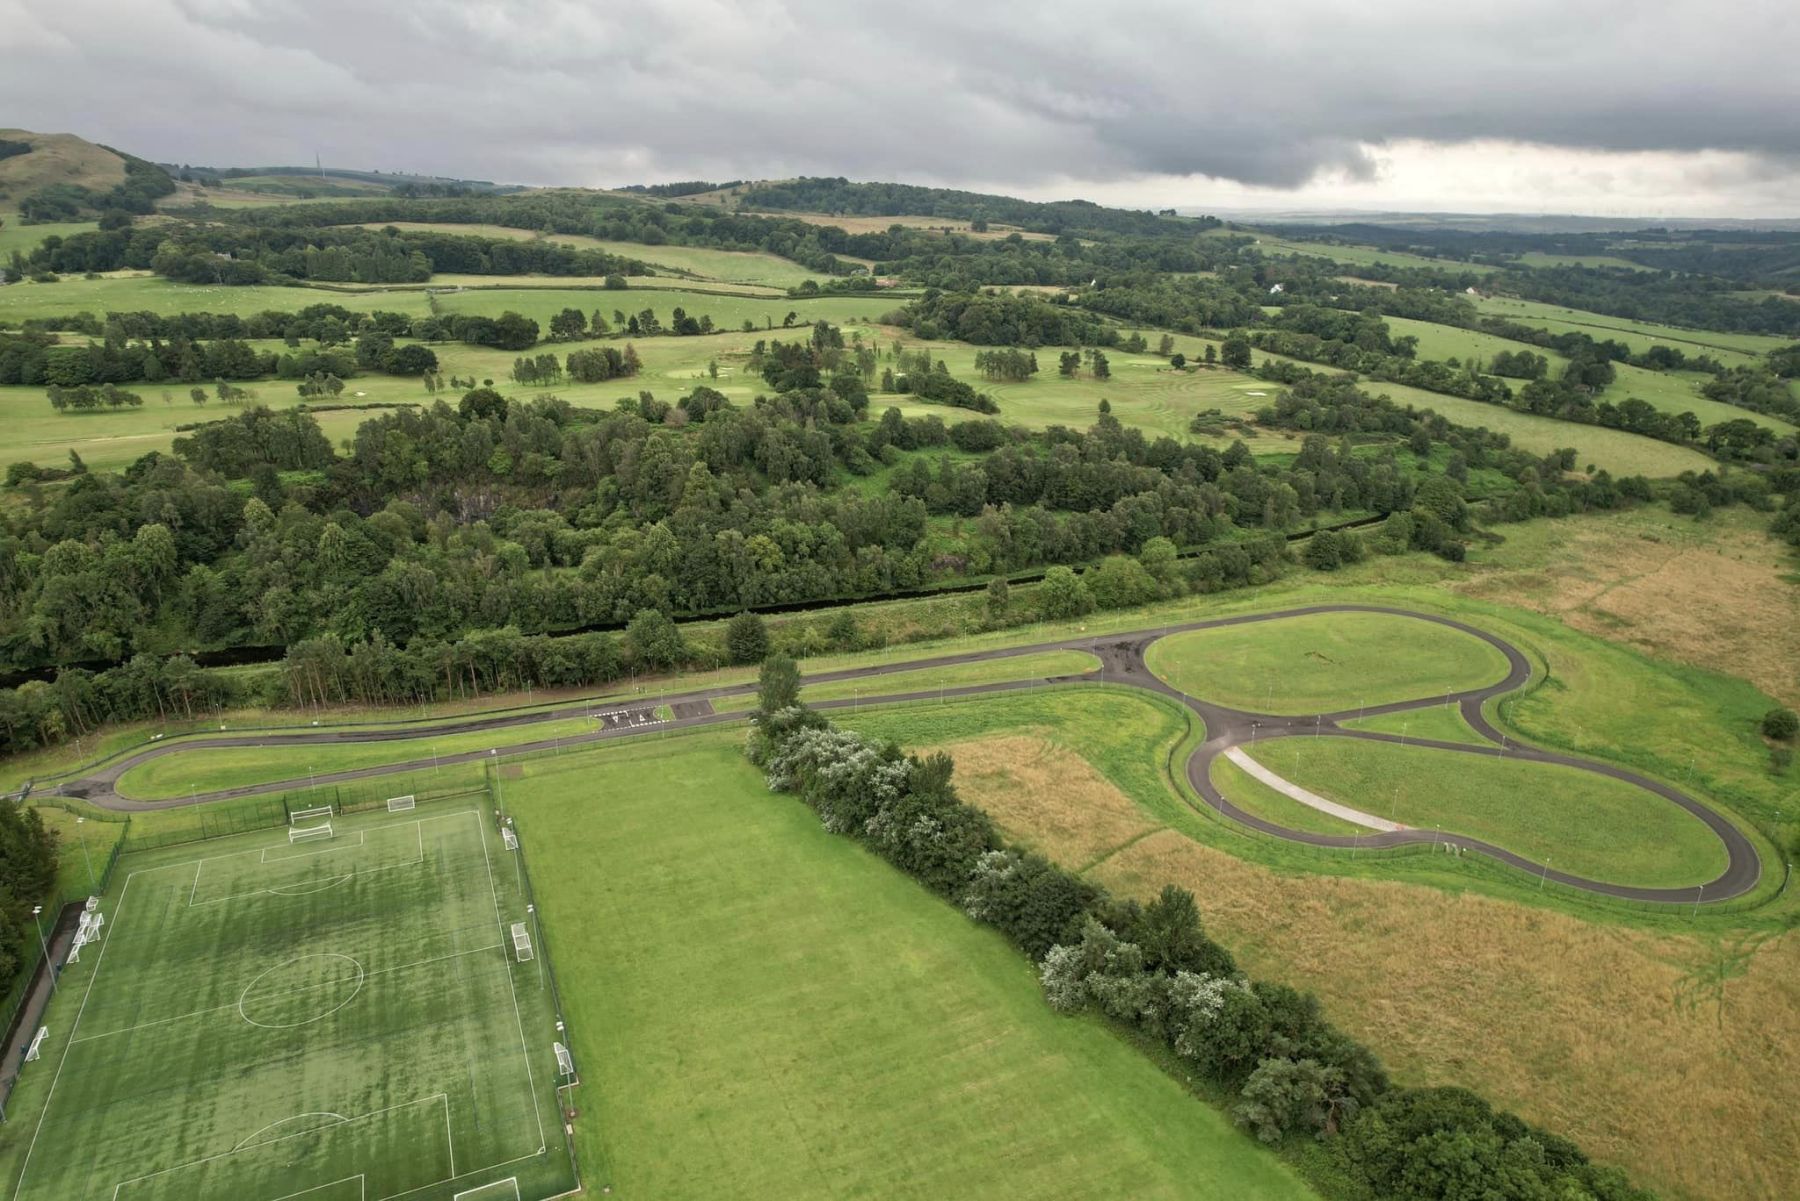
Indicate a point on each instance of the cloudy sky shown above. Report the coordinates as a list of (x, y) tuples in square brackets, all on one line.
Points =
[(1613, 107)]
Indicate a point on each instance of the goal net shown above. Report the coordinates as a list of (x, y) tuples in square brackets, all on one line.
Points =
[(399, 804), (565, 1063), (308, 833), (521, 941), (509, 838), (305, 815), (499, 1190)]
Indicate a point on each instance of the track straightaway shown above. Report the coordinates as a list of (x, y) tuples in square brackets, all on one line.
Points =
[(1121, 662)]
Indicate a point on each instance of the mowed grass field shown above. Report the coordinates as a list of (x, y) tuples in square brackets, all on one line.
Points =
[(1016, 667), (1729, 348), (761, 1009), (1324, 662), (206, 769), (336, 1019), (16, 235), (1668, 391), (1362, 256), (1576, 821)]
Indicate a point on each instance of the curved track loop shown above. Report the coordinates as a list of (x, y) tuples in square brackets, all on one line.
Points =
[(1121, 662)]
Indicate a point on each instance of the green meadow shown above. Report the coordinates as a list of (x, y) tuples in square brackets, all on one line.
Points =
[(1574, 821), (907, 1051), (1324, 662)]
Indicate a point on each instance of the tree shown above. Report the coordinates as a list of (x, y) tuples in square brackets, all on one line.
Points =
[(746, 638), (1283, 1095), (999, 600), (1781, 724), (778, 684), (1234, 352), (1178, 361), (482, 404), (568, 325), (653, 640), (1064, 593)]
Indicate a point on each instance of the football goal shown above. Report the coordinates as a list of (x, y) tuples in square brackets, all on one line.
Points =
[(400, 804), (499, 1190), (308, 833), (295, 817), (521, 941)]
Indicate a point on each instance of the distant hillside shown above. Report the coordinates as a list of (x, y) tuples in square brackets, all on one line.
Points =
[(841, 197), (313, 182), (54, 158)]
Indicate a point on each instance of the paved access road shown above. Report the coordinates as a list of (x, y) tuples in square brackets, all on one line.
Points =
[(1121, 662)]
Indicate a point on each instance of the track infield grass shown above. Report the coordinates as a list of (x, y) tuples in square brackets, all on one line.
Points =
[(1324, 663), (1575, 821), (336, 1019), (763, 1009)]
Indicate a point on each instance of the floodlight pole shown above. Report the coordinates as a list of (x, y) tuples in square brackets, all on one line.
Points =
[(82, 835), (48, 966), (1545, 875)]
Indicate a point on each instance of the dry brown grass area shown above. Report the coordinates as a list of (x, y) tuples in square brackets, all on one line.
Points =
[(1047, 797), (1665, 1055), (57, 158), (1711, 594)]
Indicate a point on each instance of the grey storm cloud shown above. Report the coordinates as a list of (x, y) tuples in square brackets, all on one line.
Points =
[(559, 91)]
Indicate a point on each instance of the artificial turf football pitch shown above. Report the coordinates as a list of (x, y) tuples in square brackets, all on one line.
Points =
[(335, 1019)]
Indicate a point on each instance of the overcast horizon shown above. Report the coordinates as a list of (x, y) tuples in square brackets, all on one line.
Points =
[(1644, 111)]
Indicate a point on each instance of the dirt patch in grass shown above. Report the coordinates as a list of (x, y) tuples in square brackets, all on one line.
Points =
[(1712, 594), (1047, 797), (1669, 1056)]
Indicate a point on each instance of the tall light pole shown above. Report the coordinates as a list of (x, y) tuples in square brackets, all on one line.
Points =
[(48, 966), (82, 835)]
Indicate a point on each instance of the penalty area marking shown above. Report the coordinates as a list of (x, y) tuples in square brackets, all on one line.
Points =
[(336, 846), (360, 976), (250, 1140), (361, 1117), (362, 1187)]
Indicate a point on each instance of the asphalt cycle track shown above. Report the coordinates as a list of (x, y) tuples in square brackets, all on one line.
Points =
[(1121, 662)]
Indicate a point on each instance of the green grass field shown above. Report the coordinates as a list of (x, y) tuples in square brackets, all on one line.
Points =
[(1443, 723), (1259, 800), (1018, 667), (1323, 663), (16, 235), (204, 769), (1362, 256), (336, 1019), (1728, 348), (841, 1032), (1576, 821), (1615, 450), (732, 266)]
